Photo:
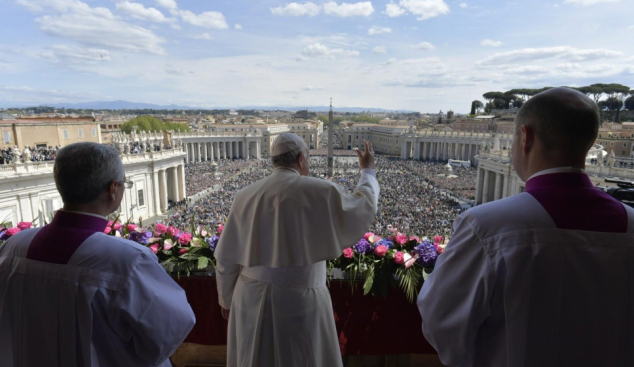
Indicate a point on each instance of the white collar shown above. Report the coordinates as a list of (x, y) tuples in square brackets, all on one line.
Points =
[(286, 168), (84, 213), (557, 170)]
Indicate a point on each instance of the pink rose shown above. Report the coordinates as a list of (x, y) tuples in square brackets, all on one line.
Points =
[(220, 229), (439, 250), (107, 230), (184, 238), (160, 228), (182, 251), (116, 226), (348, 253), (132, 227), (401, 239), (110, 223), (380, 250), (399, 258), (24, 225), (367, 235), (415, 238), (154, 248), (12, 231), (172, 231), (439, 239)]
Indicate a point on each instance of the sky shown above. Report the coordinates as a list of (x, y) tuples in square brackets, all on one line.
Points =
[(421, 55)]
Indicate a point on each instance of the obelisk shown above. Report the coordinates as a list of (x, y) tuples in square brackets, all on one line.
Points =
[(330, 140)]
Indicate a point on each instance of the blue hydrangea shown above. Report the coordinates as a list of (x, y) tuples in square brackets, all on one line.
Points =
[(363, 246), (140, 237), (387, 243), (212, 242), (427, 254)]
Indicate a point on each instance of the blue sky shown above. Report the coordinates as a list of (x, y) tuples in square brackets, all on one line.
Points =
[(422, 55)]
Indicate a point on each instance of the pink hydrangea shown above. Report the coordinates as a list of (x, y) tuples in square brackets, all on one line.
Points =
[(401, 239), (154, 248), (132, 227), (12, 231), (116, 226), (380, 250), (182, 251), (348, 253), (368, 235), (184, 238), (172, 231), (107, 230), (399, 258), (439, 239), (160, 228), (24, 225)]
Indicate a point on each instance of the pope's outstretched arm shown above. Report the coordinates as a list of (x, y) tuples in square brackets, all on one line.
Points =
[(455, 298)]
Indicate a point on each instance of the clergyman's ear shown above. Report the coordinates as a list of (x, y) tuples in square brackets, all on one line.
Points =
[(528, 138)]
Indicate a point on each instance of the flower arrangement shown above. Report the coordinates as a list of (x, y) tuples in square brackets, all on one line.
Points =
[(6, 232), (397, 260), (176, 250)]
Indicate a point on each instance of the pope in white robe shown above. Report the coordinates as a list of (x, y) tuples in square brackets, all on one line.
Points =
[(544, 278), (271, 260)]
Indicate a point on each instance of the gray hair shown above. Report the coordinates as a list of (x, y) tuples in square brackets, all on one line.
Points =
[(288, 159), (83, 171)]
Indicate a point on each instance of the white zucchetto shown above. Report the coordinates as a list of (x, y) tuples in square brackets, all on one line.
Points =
[(285, 143)]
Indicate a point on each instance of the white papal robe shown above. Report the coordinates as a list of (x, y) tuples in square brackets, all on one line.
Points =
[(72, 296), (544, 278), (271, 266)]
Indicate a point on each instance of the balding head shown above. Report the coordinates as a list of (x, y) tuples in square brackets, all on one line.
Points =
[(563, 119)]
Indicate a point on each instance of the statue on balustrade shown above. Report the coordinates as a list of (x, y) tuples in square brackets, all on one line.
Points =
[(611, 159), (16, 154), (167, 138), (26, 154), (600, 158)]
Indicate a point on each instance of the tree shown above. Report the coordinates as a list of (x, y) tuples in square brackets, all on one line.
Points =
[(629, 103), (476, 106), (150, 123)]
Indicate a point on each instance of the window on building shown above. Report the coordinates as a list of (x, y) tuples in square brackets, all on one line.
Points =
[(141, 198), (66, 136), (80, 133), (7, 137), (94, 132)]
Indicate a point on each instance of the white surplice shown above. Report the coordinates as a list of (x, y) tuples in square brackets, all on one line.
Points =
[(112, 304), (512, 290), (271, 266)]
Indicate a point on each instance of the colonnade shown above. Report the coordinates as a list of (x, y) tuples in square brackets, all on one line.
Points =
[(201, 151), (169, 184), (440, 150), (496, 178)]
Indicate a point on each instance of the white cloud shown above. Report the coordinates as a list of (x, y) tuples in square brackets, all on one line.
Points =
[(207, 19), (630, 27), (463, 5), (378, 30), (363, 9), (379, 50), (295, 9), (589, 2), (170, 69), (167, 4), (76, 55), (423, 9), (426, 46), (75, 20), (562, 52), (491, 43), (202, 36), (393, 10), (319, 51), (138, 11), (22, 94), (237, 26)]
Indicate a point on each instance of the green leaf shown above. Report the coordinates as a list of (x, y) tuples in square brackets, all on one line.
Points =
[(203, 262), (369, 280)]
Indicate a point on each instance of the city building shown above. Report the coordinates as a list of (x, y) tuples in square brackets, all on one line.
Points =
[(45, 132)]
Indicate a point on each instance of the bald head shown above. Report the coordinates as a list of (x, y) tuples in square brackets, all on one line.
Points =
[(563, 120)]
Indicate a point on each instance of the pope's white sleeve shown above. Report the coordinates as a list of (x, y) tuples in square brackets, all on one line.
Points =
[(152, 311), (369, 186), (455, 298), (226, 278)]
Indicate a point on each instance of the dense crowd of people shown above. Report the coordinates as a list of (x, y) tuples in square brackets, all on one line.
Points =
[(8, 155), (415, 196)]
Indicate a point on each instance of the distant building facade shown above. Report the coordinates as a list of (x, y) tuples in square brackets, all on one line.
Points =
[(48, 132)]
